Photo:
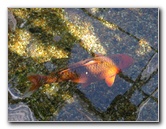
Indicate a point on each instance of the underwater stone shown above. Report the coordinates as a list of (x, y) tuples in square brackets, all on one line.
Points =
[(151, 67), (11, 21), (20, 112)]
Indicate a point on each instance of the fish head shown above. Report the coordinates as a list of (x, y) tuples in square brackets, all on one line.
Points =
[(123, 61)]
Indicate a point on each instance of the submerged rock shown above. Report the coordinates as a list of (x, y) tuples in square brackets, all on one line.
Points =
[(11, 21), (19, 112)]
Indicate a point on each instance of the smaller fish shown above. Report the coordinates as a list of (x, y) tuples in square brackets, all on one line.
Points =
[(85, 72)]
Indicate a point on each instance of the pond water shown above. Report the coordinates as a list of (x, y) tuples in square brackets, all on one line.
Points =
[(41, 41)]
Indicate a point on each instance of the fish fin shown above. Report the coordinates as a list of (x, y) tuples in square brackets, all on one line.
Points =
[(36, 81), (28, 93), (110, 80), (90, 62), (80, 80), (84, 63), (123, 61)]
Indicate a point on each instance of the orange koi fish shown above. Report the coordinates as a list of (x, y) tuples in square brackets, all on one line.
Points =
[(87, 71)]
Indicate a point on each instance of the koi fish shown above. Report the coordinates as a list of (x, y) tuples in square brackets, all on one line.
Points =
[(85, 72)]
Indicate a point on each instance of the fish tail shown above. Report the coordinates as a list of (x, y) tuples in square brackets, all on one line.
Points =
[(36, 81)]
